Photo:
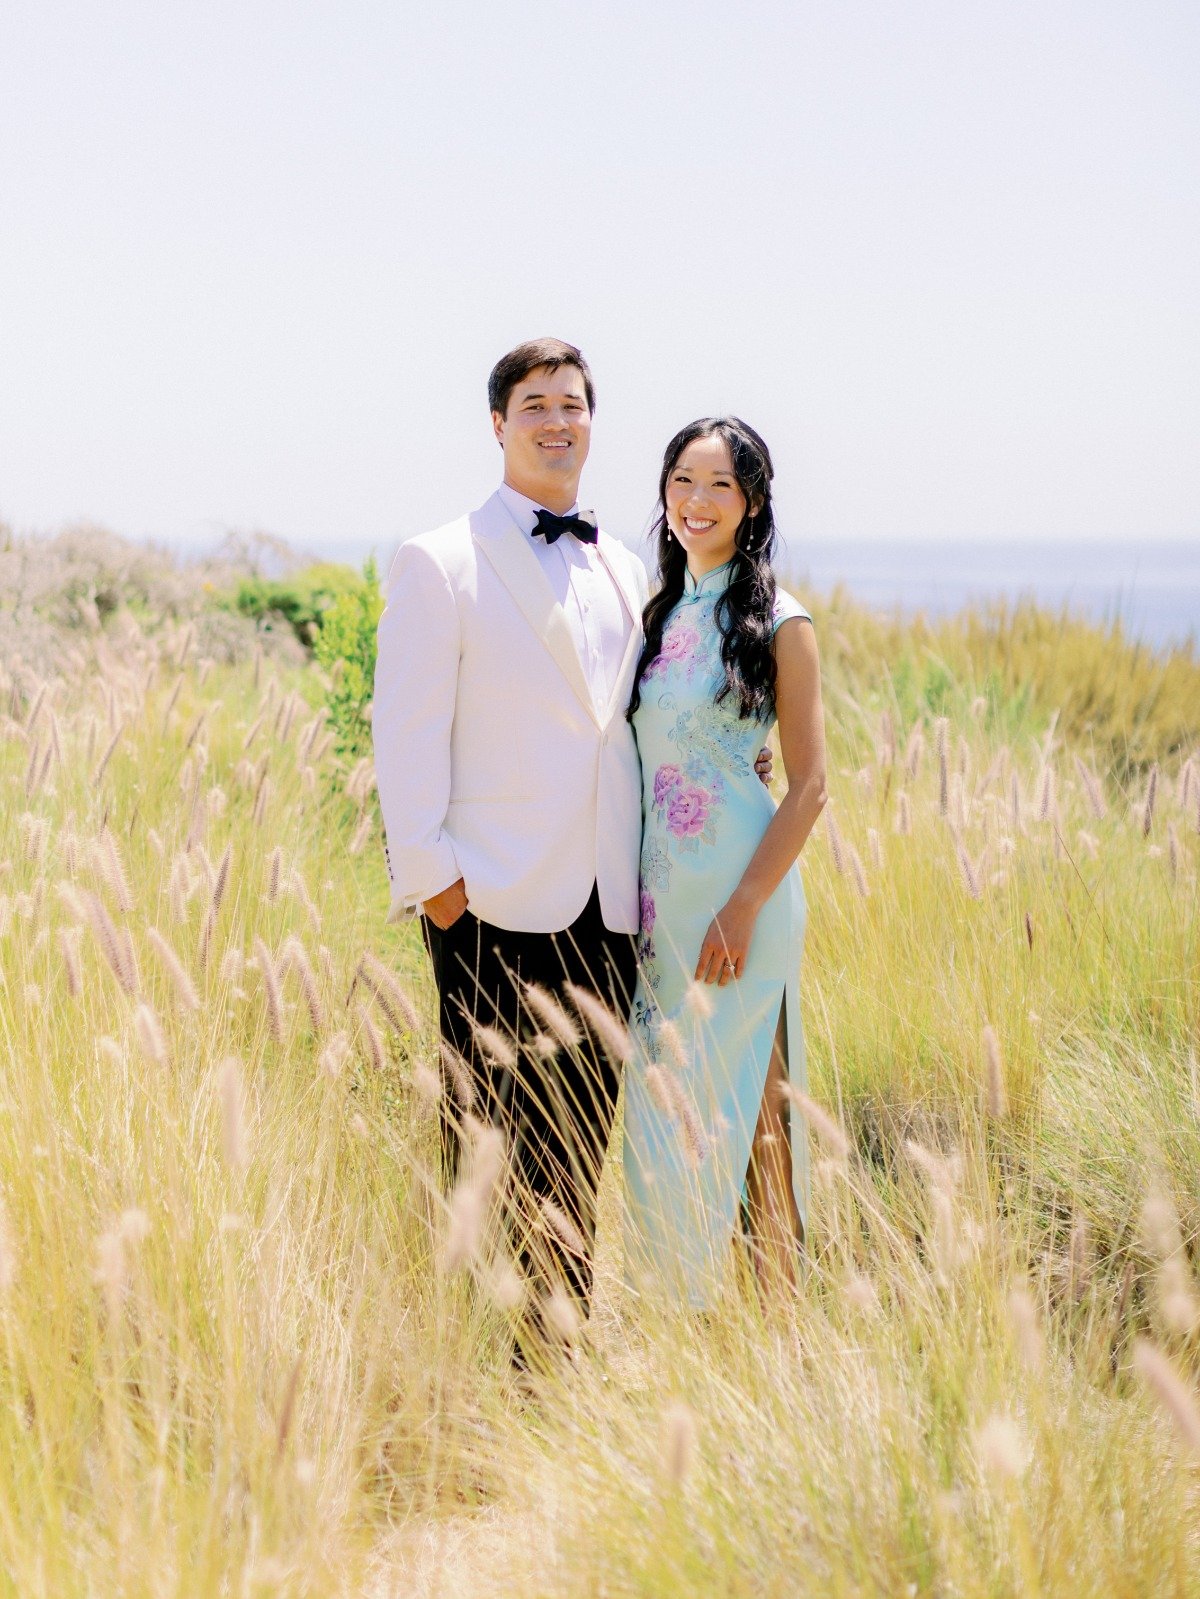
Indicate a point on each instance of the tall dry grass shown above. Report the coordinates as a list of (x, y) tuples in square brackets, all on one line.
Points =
[(246, 1345)]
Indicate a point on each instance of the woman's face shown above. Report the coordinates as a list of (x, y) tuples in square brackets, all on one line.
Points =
[(704, 504)]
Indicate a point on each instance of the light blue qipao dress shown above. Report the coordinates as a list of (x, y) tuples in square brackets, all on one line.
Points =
[(704, 812)]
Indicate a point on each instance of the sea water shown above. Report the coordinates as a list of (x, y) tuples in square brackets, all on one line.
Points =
[(1153, 588)]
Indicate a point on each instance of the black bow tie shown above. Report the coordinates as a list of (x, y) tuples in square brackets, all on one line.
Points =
[(551, 527)]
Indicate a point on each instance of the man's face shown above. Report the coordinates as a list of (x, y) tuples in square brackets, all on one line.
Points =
[(545, 435)]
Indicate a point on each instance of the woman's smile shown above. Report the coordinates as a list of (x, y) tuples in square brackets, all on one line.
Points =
[(704, 503)]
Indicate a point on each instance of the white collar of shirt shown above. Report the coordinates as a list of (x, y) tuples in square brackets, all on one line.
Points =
[(523, 510)]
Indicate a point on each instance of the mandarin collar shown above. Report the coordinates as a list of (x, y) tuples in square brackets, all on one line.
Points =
[(709, 584)]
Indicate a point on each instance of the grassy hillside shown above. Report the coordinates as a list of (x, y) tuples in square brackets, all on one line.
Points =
[(234, 1355)]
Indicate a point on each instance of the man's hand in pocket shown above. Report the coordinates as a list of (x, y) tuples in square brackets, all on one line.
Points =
[(444, 909)]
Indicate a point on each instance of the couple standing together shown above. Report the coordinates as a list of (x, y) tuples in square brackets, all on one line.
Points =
[(569, 773)]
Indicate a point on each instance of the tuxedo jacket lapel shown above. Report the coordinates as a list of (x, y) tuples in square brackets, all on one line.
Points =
[(612, 553), (507, 549)]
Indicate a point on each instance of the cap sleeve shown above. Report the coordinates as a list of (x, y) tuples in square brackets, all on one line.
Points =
[(785, 608)]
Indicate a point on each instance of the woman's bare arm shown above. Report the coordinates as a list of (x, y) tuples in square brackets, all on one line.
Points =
[(802, 746)]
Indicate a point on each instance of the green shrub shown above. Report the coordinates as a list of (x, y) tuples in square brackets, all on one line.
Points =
[(345, 646), (303, 599)]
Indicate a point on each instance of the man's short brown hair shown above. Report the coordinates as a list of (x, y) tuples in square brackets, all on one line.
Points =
[(510, 369)]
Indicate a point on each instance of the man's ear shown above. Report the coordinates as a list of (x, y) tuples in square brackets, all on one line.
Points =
[(498, 428)]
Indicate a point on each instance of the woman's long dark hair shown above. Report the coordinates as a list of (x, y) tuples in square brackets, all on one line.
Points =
[(745, 611)]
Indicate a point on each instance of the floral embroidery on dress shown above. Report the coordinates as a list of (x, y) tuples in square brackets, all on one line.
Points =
[(646, 953), (643, 1022), (666, 779), (687, 810), (685, 802), (709, 745), (656, 865), (682, 646)]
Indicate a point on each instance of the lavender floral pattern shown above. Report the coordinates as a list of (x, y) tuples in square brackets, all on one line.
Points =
[(681, 647)]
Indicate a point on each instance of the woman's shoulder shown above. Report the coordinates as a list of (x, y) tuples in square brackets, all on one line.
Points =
[(787, 606)]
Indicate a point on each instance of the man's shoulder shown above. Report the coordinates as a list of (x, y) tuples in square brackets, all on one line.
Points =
[(450, 547), (617, 550)]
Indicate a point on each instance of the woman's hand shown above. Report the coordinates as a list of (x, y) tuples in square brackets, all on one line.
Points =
[(727, 943)]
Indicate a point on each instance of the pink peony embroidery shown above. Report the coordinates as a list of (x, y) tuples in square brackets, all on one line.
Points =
[(678, 643), (687, 811), (665, 779)]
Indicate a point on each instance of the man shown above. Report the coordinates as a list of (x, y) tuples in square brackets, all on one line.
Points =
[(511, 790), (509, 782)]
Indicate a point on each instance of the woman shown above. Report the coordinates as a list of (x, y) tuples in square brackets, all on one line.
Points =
[(716, 1017)]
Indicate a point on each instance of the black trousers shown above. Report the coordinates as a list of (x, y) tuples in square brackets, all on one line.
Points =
[(555, 1107)]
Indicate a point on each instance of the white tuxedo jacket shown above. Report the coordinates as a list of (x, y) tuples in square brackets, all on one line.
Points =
[(492, 762)]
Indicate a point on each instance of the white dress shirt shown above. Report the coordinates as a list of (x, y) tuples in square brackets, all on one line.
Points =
[(596, 614)]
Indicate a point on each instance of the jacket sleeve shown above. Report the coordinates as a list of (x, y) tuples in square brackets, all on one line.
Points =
[(416, 682)]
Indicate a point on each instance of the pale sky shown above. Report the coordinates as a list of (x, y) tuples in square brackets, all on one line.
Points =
[(257, 260)]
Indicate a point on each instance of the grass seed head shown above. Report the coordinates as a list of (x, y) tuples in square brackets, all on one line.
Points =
[(426, 1083), (274, 874), (8, 1252), (834, 839), (494, 1045), (68, 944), (464, 1231), (669, 1035), (370, 1032), (184, 990), (1177, 1302), (1027, 1329), (271, 989), (698, 1000), (389, 995), (111, 944), (561, 1227), (858, 873), (295, 959), (821, 1122), (361, 833), (913, 752), (504, 1285), (458, 1074), (553, 1016), (233, 1114), (334, 1056), (150, 1035), (111, 864), (1090, 785), (1175, 1396), (860, 1294), (1001, 1449), (611, 1032), (561, 1316), (112, 1270), (997, 1098), (1148, 803), (1160, 1224), (969, 870), (678, 1442)]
